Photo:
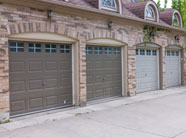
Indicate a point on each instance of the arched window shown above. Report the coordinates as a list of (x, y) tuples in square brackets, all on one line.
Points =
[(109, 4), (176, 21), (149, 13)]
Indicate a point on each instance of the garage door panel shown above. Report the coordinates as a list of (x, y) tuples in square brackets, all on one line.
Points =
[(36, 103), (40, 79), (103, 69), (16, 96), (99, 79), (108, 91), (51, 83), (35, 66), (51, 101), (35, 84), (99, 93), (18, 106), (17, 66), (51, 65), (17, 86)]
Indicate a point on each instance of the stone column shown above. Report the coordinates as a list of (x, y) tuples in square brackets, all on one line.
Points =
[(184, 67), (4, 72), (162, 68), (131, 70), (82, 72)]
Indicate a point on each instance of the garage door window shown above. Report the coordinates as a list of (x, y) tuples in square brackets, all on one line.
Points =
[(65, 49), (89, 50), (154, 53), (168, 53), (16, 47), (34, 48), (108, 51), (148, 52), (142, 52), (173, 53), (117, 51), (177, 53), (137, 52), (98, 50), (49, 48)]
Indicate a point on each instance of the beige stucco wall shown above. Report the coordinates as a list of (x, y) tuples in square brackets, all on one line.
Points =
[(82, 28)]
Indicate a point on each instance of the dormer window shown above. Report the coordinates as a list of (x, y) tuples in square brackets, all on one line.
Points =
[(109, 5), (176, 21), (149, 13)]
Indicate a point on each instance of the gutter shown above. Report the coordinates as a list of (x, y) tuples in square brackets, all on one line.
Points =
[(97, 11)]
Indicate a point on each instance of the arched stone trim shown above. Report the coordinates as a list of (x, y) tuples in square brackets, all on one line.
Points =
[(44, 37), (155, 8), (149, 45), (40, 27), (179, 16), (175, 47), (123, 38)]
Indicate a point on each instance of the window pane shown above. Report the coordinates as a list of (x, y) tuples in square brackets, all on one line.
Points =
[(47, 46), (13, 49), (12, 44), (38, 45), (53, 46), (20, 50), (173, 53), (38, 50), (20, 45), (53, 51), (148, 52), (47, 50), (177, 53), (31, 45), (31, 50)]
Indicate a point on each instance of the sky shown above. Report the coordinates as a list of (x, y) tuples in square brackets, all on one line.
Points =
[(163, 1)]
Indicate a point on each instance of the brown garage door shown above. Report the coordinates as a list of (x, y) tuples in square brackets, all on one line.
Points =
[(103, 72), (40, 76)]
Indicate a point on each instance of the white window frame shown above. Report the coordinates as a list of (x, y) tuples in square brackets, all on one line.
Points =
[(177, 18), (150, 18), (109, 8)]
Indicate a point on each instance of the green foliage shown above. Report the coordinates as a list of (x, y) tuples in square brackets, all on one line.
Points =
[(165, 6), (181, 6), (151, 32), (159, 4)]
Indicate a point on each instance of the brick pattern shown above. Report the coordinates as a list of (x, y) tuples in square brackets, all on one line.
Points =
[(16, 20)]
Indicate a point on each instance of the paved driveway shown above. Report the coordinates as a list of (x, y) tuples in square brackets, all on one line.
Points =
[(160, 117)]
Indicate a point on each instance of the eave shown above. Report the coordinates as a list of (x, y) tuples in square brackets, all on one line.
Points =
[(57, 5)]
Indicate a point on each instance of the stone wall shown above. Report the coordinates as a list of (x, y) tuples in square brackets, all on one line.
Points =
[(14, 20)]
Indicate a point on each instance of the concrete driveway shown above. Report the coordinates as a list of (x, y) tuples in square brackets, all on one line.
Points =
[(158, 114)]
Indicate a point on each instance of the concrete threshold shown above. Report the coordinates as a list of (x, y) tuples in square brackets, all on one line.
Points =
[(59, 114)]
